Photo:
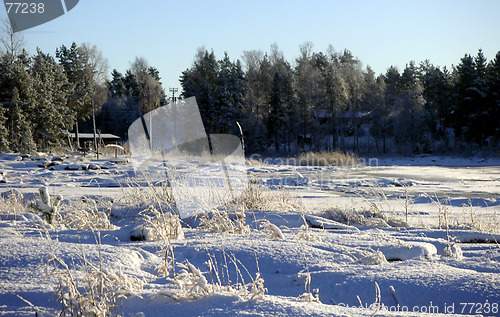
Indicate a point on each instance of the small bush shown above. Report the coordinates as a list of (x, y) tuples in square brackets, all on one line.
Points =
[(11, 203), (87, 214), (97, 293), (350, 215), (254, 197), (157, 225), (192, 283), (222, 221)]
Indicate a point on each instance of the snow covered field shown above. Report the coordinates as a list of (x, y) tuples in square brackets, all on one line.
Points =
[(397, 237)]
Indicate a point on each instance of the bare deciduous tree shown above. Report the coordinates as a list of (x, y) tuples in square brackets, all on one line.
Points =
[(12, 43)]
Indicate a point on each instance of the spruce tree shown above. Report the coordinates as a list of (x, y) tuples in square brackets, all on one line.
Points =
[(201, 82), (22, 138), (493, 91), (53, 117), (4, 133)]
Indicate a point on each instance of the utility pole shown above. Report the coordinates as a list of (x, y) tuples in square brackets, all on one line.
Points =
[(173, 91), (174, 107)]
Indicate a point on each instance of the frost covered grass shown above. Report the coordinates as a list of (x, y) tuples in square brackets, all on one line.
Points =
[(97, 292), (319, 245), (147, 192), (11, 203), (155, 225), (255, 196), (363, 214), (87, 213), (191, 283)]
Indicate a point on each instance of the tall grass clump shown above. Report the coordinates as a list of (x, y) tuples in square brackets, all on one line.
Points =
[(327, 158), (87, 213), (157, 226), (97, 292), (191, 283), (222, 220), (254, 197), (11, 203)]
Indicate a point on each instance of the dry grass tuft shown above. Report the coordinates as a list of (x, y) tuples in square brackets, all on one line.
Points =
[(11, 203), (254, 197), (327, 158)]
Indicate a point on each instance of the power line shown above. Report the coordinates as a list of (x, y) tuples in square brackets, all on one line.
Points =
[(173, 91)]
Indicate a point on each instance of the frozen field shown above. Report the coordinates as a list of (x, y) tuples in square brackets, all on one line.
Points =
[(399, 237)]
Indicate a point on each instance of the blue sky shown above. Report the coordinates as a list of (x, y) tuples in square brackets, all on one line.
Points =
[(380, 33)]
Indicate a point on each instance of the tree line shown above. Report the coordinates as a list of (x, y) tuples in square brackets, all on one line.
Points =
[(43, 96), (421, 109), (320, 100)]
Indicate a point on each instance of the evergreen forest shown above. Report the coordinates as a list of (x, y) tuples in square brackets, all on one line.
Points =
[(318, 101)]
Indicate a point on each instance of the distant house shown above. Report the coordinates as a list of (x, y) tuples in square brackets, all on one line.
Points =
[(325, 116), (87, 139), (348, 119)]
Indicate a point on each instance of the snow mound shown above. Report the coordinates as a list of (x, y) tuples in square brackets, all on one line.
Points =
[(374, 258), (296, 180), (409, 251)]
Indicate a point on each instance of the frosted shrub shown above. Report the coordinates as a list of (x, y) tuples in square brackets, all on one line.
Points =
[(254, 197), (306, 234), (97, 294), (257, 289), (453, 251), (11, 203), (272, 231), (193, 284), (220, 221), (152, 192), (87, 214), (307, 296), (46, 205), (361, 215), (373, 258), (157, 225)]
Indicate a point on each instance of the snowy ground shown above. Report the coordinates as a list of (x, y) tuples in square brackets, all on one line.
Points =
[(411, 236)]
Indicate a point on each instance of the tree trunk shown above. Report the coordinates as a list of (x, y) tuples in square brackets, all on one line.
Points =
[(77, 134)]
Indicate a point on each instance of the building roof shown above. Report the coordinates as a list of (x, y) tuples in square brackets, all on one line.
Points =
[(108, 136)]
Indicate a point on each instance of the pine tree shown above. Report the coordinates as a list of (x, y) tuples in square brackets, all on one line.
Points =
[(470, 107), (22, 138), (230, 105), (85, 69), (353, 77), (309, 87), (201, 81), (253, 124), (116, 86), (437, 91), (410, 112), (335, 94), (493, 91), (53, 117), (381, 116), (16, 93), (4, 133)]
